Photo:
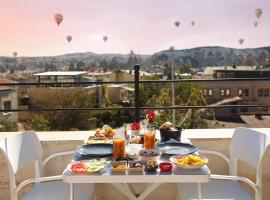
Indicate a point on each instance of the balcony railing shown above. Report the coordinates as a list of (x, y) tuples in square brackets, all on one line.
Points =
[(136, 108)]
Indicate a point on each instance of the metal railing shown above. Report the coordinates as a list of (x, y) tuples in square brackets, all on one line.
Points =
[(136, 106)]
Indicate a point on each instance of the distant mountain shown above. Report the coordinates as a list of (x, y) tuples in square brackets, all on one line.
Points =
[(212, 56), (196, 57)]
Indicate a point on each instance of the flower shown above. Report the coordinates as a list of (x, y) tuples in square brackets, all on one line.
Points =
[(135, 126), (150, 115)]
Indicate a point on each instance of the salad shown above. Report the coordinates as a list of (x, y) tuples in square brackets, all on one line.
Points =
[(89, 166)]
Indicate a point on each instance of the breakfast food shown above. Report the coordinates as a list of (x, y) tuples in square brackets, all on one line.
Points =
[(135, 164), (119, 166), (135, 167), (166, 126), (136, 139), (165, 167), (106, 131), (95, 140), (84, 167), (189, 161), (168, 132), (151, 166), (149, 155)]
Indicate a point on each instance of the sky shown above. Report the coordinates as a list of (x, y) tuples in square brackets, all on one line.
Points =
[(145, 26)]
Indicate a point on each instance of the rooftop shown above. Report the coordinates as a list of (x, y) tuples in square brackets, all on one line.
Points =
[(61, 73), (210, 70), (3, 87)]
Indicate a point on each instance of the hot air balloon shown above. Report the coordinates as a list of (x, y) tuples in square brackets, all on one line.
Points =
[(192, 23), (258, 12), (15, 54), (241, 41), (69, 38), (105, 38), (177, 23), (255, 23), (58, 18)]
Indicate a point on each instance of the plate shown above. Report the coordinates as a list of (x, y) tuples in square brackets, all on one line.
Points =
[(95, 150), (186, 166), (90, 166), (173, 148), (99, 140)]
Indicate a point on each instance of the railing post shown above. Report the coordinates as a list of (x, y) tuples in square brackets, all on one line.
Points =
[(137, 92)]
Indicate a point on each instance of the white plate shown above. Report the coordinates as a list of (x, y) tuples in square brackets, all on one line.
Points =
[(173, 158), (94, 162)]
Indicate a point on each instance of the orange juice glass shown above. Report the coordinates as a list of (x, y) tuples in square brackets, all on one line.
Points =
[(119, 150), (149, 138)]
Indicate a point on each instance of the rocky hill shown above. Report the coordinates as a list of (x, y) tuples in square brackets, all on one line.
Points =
[(196, 57), (212, 56)]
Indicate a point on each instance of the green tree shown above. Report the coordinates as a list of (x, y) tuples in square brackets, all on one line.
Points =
[(187, 94), (186, 68), (38, 123), (6, 126), (71, 67), (81, 66), (64, 98)]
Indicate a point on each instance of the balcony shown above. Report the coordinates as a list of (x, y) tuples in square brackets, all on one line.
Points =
[(211, 139)]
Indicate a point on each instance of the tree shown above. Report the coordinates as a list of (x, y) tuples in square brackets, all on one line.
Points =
[(187, 94), (12, 70), (6, 126), (114, 63), (186, 68), (103, 63), (71, 67), (81, 66), (39, 123), (250, 61), (64, 98)]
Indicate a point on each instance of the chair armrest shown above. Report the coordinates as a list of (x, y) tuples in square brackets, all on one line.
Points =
[(236, 178), (36, 180), (217, 154), (56, 155)]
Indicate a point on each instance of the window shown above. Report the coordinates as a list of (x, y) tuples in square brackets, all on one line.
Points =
[(228, 92), (208, 92), (7, 106), (225, 92), (263, 92), (222, 92), (243, 92)]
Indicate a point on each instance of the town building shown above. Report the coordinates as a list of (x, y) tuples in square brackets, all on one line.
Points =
[(8, 100), (255, 92)]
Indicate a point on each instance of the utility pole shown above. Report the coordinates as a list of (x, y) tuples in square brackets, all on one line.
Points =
[(172, 76)]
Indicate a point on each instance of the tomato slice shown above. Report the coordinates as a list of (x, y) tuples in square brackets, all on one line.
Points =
[(79, 168)]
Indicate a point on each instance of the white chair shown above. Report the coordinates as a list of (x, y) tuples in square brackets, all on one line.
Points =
[(25, 148), (246, 145)]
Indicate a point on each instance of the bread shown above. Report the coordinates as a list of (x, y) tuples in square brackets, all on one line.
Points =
[(166, 126)]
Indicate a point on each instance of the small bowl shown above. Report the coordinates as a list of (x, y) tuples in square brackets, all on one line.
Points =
[(119, 170), (166, 135), (165, 167), (149, 155), (135, 170)]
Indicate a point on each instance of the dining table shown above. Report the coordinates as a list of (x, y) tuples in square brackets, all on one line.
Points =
[(123, 182)]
